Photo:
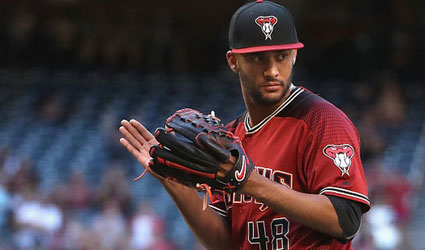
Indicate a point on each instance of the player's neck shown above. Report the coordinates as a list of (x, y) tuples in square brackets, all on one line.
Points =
[(258, 112)]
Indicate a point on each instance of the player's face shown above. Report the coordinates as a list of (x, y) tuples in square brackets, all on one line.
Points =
[(266, 76)]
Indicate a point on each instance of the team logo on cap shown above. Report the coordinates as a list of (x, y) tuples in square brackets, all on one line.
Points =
[(341, 155), (267, 24)]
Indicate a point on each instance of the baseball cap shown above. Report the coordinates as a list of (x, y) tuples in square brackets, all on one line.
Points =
[(262, 26)]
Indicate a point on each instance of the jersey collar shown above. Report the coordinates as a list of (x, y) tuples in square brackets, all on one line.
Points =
[(251, 130)]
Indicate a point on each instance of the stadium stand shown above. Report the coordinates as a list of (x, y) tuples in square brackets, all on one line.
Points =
[(65, 123)]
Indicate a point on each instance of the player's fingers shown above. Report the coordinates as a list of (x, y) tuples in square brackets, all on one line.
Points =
[(131, 139), (134, 132), (137, 152), (141, 157), (143, 131), (146, 135), (129, 147)]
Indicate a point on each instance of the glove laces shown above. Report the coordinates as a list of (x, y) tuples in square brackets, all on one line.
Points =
[(141, 176), (207, 194), (205, 188)]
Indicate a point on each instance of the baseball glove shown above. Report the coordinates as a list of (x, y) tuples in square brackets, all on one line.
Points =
[(192, 146)]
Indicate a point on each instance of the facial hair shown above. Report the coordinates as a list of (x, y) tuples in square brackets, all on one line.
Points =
[(251, 89)]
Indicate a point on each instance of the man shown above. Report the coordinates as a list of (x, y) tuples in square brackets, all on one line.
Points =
[(308, 190)]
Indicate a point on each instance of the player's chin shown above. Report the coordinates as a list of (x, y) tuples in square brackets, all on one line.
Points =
[(271, 98)]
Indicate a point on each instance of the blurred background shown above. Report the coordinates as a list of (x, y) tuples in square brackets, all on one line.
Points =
[(71, 70)]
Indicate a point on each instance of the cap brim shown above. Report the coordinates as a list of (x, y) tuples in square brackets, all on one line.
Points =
[(268, 48)]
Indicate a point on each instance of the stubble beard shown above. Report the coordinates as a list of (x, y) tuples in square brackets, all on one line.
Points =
[(253, 92)]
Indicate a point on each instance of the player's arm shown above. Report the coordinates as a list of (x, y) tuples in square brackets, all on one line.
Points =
[(349, 215), (209, 227), (312, 210)]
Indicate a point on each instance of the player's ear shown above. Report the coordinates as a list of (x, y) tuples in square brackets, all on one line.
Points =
[(232, 60), (294, 56)]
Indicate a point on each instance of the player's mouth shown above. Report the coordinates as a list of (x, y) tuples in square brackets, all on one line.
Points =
[(272, 86)]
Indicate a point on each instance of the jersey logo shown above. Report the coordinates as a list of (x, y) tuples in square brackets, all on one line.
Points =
[(266, 24), (240, 175), (341, 155)]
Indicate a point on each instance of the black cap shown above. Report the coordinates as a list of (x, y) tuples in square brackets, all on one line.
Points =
[(262, 26)]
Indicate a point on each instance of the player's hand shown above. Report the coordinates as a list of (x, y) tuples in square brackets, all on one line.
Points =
[(225, 168), (137, 140)]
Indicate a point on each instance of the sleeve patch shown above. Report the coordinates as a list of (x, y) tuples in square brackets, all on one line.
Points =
[(341, 156)]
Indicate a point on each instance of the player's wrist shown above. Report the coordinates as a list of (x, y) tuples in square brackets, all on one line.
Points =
[(251, 184)]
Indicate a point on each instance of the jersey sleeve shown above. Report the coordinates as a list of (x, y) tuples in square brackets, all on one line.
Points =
[(332, 157)]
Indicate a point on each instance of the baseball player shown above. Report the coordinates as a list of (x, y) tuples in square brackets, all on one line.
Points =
[(308, 189)]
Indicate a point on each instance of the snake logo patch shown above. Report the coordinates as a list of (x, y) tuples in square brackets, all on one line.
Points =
[(341, 156), (266, 24)]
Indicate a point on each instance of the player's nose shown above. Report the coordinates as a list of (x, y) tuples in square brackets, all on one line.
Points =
[(271, 68)]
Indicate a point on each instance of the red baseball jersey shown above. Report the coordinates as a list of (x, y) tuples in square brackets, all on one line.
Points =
[(307, 144)]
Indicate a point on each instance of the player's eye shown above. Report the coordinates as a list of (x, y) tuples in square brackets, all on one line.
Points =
[(255, 57), (282, 56)]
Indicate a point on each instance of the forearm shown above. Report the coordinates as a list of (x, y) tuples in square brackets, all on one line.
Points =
[(210, 228), (311, 210)]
